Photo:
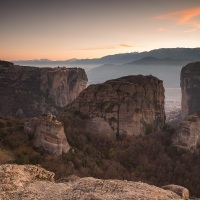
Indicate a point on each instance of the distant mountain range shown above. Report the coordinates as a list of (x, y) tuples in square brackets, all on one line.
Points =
[(164, 53), (166, 69), (159, 61), (163, 63)]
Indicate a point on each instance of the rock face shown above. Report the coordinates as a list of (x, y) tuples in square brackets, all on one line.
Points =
[(32, 182), (131, 105), (32, 91), (47, 133), (188, 134), (190, 86)]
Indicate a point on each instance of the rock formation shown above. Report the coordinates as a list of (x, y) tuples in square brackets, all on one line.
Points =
[(181, 191), (190, 86), (26, 182), (32, 91), (130, 105), (188, 133), (47, 133)]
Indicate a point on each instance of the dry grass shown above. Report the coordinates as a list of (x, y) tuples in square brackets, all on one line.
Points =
[(6, 156)]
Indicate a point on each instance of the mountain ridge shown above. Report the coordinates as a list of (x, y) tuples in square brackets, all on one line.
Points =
[(123, 58), (153, 60)]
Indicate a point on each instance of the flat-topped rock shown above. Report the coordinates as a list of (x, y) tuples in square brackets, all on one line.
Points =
[(130, 105)]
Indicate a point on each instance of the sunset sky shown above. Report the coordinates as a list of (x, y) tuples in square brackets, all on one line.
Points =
[(64, 29)]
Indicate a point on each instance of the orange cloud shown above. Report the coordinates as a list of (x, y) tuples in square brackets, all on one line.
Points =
[(110, 47), (126, 45), (97, 48), (187, 16)]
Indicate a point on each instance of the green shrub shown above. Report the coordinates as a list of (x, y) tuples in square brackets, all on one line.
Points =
[(149, 128), (9, 123), (8, 142), (76, 112), (2, 123), (112, 153), (6, 156), (167, 128), (84, 117), (3, 133), (192, 119), (26, 155)]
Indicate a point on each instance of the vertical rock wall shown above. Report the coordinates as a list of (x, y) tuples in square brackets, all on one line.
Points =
[(190, 87)]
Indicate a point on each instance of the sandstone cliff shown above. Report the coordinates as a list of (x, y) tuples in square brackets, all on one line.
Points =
[(188, 133), (31, 91), (190, 86), (47, 133), (130, 105), (27, 182)]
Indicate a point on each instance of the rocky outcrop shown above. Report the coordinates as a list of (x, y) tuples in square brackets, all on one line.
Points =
[(47, 133), (181, 191), (32, 91), (130, 105), (190, 86), (188, 133), (32, 182)]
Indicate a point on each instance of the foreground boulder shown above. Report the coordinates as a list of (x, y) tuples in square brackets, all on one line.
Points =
[(130, 105), (26, 182), (181, 191), (47, 134), (190, 86), (188, 134), (31, 91)]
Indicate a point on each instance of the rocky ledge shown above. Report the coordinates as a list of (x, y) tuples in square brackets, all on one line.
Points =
[(32, 91), (130, 105), (27, 182)]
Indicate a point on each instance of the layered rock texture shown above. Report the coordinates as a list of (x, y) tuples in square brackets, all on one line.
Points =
[(131, 105), (32, 91), (190, 86), (47, 133), (188, 134), (27, 182)]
